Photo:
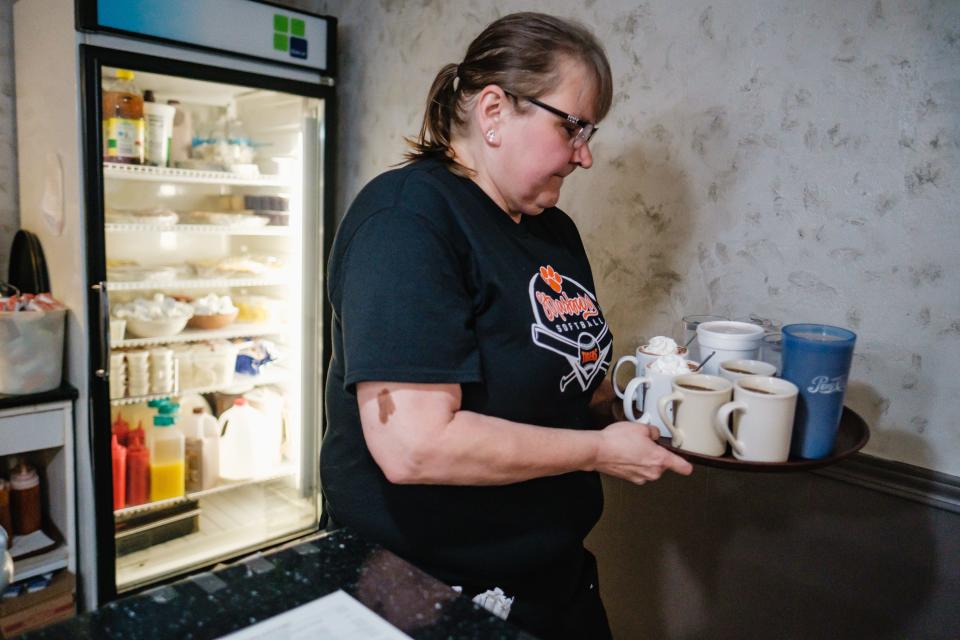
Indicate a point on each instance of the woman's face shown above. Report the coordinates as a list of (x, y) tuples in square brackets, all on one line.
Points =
[(535, 152)]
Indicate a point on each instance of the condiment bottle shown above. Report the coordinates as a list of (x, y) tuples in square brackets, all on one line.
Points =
[(182, 141), (121, 428), (167, 477), (138, 469), (6, 521), (119, 456), (123, 120), (202, 446), (25, 498)]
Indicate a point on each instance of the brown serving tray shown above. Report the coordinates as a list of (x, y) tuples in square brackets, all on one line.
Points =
[(852, 435)]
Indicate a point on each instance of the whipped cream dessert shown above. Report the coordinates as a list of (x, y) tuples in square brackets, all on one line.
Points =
[(662, 346), (672, 365)]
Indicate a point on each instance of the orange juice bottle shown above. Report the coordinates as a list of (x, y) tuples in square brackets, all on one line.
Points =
[(166, 459), (123, 120)]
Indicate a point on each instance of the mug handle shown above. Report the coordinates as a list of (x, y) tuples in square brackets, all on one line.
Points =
[(662, 405), (630, 395), (723, 429), (616, 389)]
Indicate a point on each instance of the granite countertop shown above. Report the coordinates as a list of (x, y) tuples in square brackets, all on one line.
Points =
[(212, 604)]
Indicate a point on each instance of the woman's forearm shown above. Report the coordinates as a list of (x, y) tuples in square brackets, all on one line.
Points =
[(418, 434), (474, 449)]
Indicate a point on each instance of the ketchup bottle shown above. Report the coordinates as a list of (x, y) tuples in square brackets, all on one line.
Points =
[(121, 428), (138, 469), (119, 455)]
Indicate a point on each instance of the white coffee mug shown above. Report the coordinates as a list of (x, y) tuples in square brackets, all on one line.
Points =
[(733, 370), (763, 408), (645, 391), (698, 398), (639, 360)]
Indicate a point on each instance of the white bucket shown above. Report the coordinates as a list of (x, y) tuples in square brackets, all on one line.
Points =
[(727, 340)]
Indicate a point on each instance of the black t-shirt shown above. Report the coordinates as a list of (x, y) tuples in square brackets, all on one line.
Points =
[(431, 282)]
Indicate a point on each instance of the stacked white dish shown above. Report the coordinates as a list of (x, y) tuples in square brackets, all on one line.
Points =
[(118, 375), (162, 370), (138, 373)]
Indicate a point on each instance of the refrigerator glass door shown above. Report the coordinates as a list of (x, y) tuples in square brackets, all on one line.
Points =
[(212, 242)]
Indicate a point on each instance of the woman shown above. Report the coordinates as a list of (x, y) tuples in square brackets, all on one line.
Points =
[(469, 350)]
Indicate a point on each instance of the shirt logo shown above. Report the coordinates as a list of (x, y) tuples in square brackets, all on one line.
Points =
[(567, 321)]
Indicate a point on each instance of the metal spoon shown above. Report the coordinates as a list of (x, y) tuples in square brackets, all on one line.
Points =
[(705, 361)]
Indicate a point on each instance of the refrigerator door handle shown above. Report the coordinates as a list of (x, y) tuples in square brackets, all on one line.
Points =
[(103, 371)]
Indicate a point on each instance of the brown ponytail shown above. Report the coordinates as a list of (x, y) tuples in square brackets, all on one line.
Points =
[(434, 139), (521, 53)]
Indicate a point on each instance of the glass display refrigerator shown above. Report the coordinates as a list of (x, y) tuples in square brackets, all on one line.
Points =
[(176, 161)]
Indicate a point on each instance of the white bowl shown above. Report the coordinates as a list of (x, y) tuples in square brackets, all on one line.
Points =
[(156, 328)]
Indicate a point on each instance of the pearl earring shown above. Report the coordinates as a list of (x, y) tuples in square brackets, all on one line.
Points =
[(491, 134)]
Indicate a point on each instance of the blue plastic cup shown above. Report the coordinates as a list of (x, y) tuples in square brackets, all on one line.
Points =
[(816, 358)]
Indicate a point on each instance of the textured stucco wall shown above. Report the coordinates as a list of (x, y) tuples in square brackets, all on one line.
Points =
[(797, 160), (9, 216)]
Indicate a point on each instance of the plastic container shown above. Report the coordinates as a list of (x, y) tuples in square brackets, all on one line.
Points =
[(138, 373), (182, 138), (25, 500), (123, 124), (31, 359), (167, 469), (119, 458), (727, 340), (201, 434), (138, 469), (221, 360), (158, 134), (242, 439), (118, 375), (162, 370), (258, 309)]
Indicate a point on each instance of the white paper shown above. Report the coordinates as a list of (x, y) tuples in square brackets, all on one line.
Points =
[(337, 616), (23, 545)]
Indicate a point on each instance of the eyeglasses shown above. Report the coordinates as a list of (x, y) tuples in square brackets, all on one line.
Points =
[(582, 136)]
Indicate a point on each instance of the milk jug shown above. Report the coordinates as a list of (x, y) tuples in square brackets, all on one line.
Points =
[(241, 441), (270, 404), (202, 443)]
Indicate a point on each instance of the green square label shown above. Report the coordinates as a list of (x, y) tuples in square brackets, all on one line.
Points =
[(280, 24), (281, 42), (297, 27)]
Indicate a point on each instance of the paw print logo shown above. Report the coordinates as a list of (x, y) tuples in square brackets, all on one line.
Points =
[(552, 278)]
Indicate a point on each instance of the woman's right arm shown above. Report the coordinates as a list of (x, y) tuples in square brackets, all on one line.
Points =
[(418, 434)]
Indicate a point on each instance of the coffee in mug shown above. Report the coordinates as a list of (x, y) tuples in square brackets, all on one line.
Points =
[(763, 410), (696, 399), (735, 369)]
